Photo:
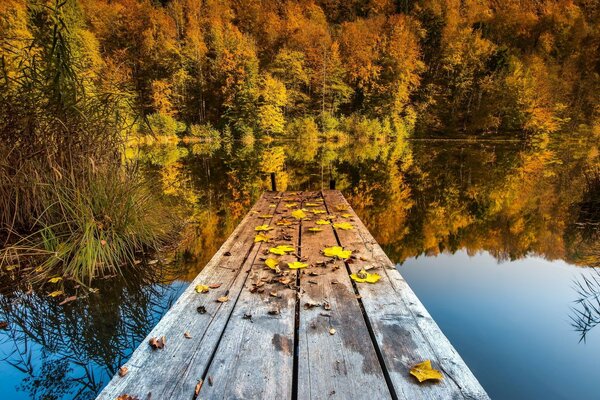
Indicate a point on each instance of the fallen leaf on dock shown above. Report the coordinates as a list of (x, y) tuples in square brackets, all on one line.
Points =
[(202, 289), (284, 222), (337, 251), (282, 249), (187, 335), (271, 263), (261, 238), (299, 214), (341, 207), (363, 276), (214, 285), (198, 387), (297, 265), (223, 299), (123, 371), (322, 222), (157, 343), (423, 372), (262, 228), (331, 331), (318, 211), (346, 215), (201, 310), (127, 397), (346, 226), (291, 205), (315, 229), (265, 216)]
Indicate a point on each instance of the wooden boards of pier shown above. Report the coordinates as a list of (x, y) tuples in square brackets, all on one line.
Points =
[(309, 333)]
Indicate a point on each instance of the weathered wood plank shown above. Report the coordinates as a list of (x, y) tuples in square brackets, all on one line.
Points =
[(255, 356), (342, 365), (405, 332), (169, 373)]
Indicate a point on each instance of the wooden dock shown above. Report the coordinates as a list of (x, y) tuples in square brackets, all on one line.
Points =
[(307, 333)]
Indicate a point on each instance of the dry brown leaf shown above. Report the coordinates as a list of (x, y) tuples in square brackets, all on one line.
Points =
[(127, 397), (223, 299), (123, 371), (198, 387), (157, 343), (214, 285), (187, 335)]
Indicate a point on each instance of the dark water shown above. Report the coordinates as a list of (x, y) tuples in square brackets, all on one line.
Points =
[(493, 236)]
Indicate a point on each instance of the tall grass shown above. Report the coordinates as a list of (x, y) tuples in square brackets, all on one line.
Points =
[(92, 229)]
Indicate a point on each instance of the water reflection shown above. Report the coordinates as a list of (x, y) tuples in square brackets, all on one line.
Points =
[(512, 200)]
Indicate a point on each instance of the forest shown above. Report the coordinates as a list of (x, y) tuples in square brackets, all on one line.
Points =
[(83, 80)]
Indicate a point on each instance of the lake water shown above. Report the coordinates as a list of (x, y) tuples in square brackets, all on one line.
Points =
[(493, 237)]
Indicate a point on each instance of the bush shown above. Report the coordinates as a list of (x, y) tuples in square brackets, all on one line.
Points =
[(159, 125), (304, 128), (204, 132)]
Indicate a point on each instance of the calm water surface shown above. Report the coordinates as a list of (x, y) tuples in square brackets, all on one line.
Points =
[(492, 236)]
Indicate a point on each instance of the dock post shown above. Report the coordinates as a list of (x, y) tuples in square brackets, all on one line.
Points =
[(273, 182)]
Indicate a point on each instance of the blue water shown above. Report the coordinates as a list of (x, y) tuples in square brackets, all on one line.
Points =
[(510, 322)]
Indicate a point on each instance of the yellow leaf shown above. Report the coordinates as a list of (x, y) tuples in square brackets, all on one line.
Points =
[(423, 371), (312, 204), (341, 207), (55, 293), (265, 216), (318, 211), (284, 222), (363, 276), (202, 288), (55, 279), (10, 267), (297, 265), (313, 229), (346, 215), (298, 214), (263, 228), (337, 251), (261, 238), (271, 263), (346, 226), (322, 222), (282, 249), (290, 205), (272, 206), (223, 299)]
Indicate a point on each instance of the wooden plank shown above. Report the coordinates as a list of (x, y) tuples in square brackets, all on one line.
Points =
[(342, 365), (255, 356), (169, 373), (405, 332)]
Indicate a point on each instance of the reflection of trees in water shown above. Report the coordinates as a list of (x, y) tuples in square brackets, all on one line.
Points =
[(70, 351)]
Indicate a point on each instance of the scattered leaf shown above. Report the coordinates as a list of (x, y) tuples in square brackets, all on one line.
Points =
[(263, 228), (273, 312), (123, 371), (337, 251), (284, 222), (282, 249), (55, 293), (291, 205), (187, 335), (103, 242), (11, 267), (202, 289), (331, 331), (261, 238), (315, 229), (318, 211), (341, 207), (297, 265), (157, 343), (363, 276), (322, 222), (201, 310), (346, 215), (198, 387), (265, 216), (223, 299), (271, 263), (346, 226), (272, 206), (214, 285), (55, 279), (423, 371), (312, 204), (127, 397), (298, 214)]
